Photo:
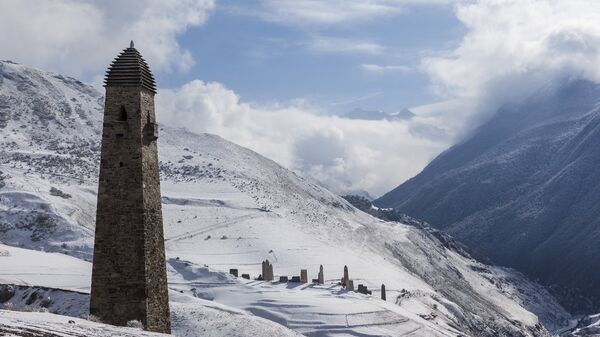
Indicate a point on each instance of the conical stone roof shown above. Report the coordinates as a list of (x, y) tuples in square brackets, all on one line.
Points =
[(130, 70)]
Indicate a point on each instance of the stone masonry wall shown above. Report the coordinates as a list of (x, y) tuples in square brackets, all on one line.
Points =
[(129, 276)]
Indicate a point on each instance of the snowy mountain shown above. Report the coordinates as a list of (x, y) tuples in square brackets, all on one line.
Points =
[(524, 191), (228, 207)]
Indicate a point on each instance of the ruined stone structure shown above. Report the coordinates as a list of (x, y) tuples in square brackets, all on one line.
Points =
[(364, 290), (345, 278), (321, 277), (129, 280), (267, 271), (303, 275), (350, 285)]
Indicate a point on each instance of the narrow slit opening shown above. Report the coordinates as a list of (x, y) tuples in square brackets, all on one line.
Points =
[(123, 114)]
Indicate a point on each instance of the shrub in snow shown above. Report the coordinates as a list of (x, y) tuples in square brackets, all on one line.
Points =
[(135, 324), (9, 306), (91, 318), (45, 303), (7, 291)]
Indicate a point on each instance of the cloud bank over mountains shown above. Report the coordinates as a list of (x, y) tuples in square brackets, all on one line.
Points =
[(511, 48), (344, 154), (515, 47)]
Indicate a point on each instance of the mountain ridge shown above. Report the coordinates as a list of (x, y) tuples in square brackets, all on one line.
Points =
[(521, 189)]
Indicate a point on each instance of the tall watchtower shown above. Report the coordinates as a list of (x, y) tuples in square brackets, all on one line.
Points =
[(129, 280)]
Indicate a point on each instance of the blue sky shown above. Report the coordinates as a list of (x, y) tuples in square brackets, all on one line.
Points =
[(264, 61)]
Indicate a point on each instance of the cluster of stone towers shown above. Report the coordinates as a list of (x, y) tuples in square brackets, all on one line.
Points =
[(129, 280)]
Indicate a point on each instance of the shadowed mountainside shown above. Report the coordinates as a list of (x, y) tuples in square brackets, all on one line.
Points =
[(524, 191)]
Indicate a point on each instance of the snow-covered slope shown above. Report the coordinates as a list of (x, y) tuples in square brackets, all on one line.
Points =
[(228, 207), (524, 190), (197, 318), (34, 281), (36, 324), (49, 125)]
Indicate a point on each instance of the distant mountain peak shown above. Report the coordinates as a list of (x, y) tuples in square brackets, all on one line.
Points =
[(373, 115)]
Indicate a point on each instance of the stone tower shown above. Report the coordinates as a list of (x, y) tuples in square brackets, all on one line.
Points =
[(129, 280)]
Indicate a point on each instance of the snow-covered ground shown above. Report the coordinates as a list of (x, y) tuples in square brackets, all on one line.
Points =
[(34, 268), (228, 207), (37, 324)]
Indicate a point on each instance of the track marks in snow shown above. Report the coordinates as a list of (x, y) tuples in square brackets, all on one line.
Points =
[(204, 230)]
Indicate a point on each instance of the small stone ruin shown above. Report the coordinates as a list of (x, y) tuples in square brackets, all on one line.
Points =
[(267, 271), (303, 276), (321, 277), (363, 290), (350, 285)]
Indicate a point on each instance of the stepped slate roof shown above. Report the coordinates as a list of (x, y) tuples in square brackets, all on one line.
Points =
[(130, 70)]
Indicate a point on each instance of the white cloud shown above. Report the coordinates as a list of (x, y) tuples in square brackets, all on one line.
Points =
[(515, 47), (325, 12), (343, 154), (344, 45), (81, 37), (319, 12), (381, 69)]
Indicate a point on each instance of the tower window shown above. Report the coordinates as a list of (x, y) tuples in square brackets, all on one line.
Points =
[(122, 114), (121, 164)]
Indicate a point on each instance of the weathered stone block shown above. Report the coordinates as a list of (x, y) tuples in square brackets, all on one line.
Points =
[(303, 275)]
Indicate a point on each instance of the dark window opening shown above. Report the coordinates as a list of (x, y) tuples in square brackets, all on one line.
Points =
[(123, 114), (120, 164), (120, 135)]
